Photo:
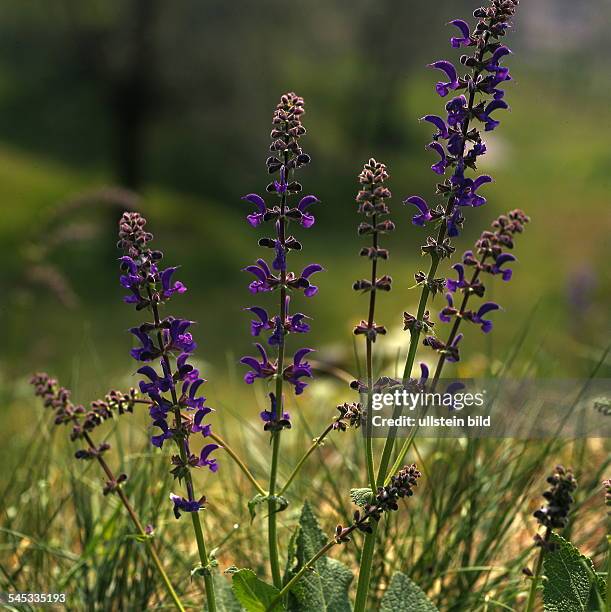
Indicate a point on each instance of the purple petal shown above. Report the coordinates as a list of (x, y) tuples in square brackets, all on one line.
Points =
[(446, 67), (487, 307), (300, 354), (311, 269), (463, 26), (439, 123), (257, 200), (307, 201)]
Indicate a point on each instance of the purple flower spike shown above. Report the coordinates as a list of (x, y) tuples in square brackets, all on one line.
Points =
[(440, 124), (307, 220), (500, 261), (286, 158), (170, 342), (465, 39), (256, 219), (422, 206), (443, 89), (442, 164)]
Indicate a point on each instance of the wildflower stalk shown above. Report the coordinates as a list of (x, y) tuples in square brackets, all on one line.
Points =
[(159, 340), (458, 190), (485, 78), (371, 198), (83, 422), (286, 157), (181, 442), (552, 515), (426, 291)]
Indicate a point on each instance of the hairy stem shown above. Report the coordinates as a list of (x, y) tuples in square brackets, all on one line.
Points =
[(362, 589), (238, 462), (369, 348), (317, 442), (138, 525), (532, 596)]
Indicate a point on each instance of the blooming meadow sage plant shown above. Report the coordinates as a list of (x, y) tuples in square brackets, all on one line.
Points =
[(287, 157), (165, 345)]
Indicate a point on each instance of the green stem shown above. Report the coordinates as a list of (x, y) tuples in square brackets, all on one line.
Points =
[(238, 462), (274, 559), (369, 358), (328, 546), (409, 363), (141, 531), (317, 442), (532, 596), (203, 557), (362, 589)]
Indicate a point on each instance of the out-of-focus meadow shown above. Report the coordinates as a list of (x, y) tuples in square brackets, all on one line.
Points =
[(167, 107)]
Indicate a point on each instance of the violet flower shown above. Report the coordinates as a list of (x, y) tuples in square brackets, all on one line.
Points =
[(177, 409), (287, 157)]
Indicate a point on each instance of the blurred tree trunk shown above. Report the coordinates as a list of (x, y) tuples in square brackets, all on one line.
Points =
[(132, 93)]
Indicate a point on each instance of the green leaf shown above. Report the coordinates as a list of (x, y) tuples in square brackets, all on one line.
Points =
[(281, 503), (225, 599), (254, 594), (325, 588), (570, 585), (404, 595), (361, 497)]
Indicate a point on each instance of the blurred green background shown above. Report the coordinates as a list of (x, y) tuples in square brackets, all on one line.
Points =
[(173, 101)]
